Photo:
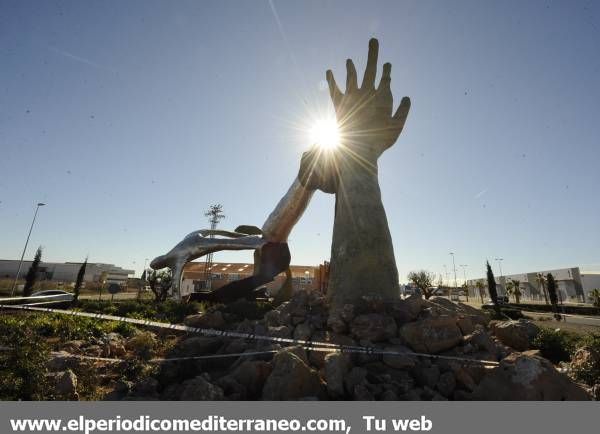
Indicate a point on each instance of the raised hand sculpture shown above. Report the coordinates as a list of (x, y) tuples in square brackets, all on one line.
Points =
[(362, 254)]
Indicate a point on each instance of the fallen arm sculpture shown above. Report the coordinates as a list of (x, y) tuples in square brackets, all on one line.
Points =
[(271, 252)]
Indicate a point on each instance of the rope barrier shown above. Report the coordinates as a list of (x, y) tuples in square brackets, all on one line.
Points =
[(308, 345), (34, 297)]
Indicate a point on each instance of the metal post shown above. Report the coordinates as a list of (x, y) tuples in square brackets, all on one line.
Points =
[(454, 267), (464, 267), (12, 291), (499, 260)]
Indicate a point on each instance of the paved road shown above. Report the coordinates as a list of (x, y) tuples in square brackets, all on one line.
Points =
[(118, 296), (573, 319)]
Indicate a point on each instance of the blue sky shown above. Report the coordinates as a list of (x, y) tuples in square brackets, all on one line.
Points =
[(129, 118)]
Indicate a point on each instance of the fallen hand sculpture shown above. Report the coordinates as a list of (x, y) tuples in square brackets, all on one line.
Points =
[(272, 255)]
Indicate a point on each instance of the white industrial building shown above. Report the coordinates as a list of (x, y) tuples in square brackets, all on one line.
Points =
[(572, 284), (66, 271)]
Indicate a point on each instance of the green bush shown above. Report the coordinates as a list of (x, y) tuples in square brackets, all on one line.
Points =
[(23, 366), (555, 345), (587, 369), (143, 345), (169, 311), (124, 329), (65, 328)]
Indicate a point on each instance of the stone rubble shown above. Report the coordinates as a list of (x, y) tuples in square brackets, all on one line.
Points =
[(436, 326)]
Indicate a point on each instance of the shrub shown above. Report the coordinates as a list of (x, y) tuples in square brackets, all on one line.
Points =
[(143, 345), (585, 365), (168, 311), (23, 366), (124, 329), (555, 345)]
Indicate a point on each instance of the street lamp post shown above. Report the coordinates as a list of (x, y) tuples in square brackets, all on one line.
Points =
[(499, 260), (454, 266), (464, 267), (12, 291), (446, 276)]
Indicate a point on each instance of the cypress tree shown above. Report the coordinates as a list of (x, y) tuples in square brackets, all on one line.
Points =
[(79, 281), (552, 294), (31, 276), (491, 280)]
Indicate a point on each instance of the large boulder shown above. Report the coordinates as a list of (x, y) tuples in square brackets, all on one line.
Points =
[(294, 312), (208, 320), (303, 331), (523, 377), (145, 388), (60, 361), (336, 322), (516, 334), (408, 309), (284, 332), (337, 366), (252, 374), (427, 375), (446, 384), (373, 327), (200, 389), (198, 346), (290, 379), (481, 340), (65, 384), (396, 357), (431, 335), (443, 306)]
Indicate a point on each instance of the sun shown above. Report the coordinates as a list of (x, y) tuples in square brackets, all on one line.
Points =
[(325, 133)]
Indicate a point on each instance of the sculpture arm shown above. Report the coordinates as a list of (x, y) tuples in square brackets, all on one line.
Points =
[(286, 214)]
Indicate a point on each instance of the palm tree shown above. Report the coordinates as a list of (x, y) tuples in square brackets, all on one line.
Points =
[(595, 297), (466, 289), (481, 287), (541, 281), (513, 287)]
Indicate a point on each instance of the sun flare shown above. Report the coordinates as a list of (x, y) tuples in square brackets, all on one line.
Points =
[(325, 133)]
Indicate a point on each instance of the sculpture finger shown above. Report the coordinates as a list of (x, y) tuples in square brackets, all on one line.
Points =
[(384, 100), (351, 81), (371, 69), (159, 262), (402, 113), (248, 230), (222, 233), (386, 78), (334, 90), (176, 274)]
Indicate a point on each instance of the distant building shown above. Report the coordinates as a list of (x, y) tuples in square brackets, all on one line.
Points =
[(66, 272), (304, 277), (572, 284)]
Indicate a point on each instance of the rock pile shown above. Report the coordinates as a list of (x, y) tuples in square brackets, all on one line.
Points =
[(436, 326)]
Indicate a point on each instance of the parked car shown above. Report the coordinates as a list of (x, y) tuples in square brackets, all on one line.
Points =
[(502, 299), (57, 296)]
